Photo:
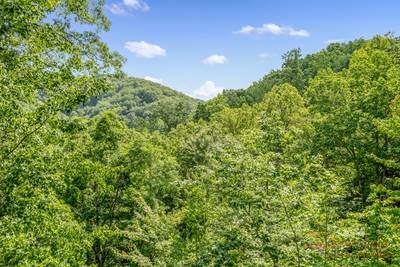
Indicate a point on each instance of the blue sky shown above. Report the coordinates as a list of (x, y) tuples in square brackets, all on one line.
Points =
[(200, 47)]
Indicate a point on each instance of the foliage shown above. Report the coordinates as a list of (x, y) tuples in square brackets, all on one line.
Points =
[(143, 104), (300, 169)]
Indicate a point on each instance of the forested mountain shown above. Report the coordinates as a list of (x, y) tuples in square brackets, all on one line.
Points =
[(143, 104), (296, 70), (300, 169)]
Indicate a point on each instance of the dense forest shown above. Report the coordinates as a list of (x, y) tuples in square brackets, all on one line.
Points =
[(98, 169), (142, 104)]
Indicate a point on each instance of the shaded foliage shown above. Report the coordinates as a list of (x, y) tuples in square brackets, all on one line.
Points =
[(300, 169), (142, 104)]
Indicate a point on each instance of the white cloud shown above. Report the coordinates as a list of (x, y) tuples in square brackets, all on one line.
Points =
[(117, 9), (273, 29), (264, 55), (123, 8), (154, 80), (301, 33), (136, 4), (334, 41), (215, 59), (270, 28), (208, 90), (245, 30), (146, 50)]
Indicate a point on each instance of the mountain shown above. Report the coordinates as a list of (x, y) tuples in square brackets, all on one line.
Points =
[(296, 69), (300, 169), (142, 104)]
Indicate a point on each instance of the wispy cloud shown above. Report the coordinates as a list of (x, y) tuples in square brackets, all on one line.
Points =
[(264, 55), (215, 59), (126, 6), (334, 41), (154, 79), (144, 49), (117, 9), (208, 90), (136, 5), (274, 29), (245, 30)]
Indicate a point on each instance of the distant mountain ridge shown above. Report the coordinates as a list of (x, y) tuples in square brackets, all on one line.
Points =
[(142, 104), (296, 69)]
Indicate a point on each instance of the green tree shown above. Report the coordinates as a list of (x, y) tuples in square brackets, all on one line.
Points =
[(46, 67)]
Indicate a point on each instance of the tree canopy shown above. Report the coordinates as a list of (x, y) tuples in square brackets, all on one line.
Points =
[(98, 169)]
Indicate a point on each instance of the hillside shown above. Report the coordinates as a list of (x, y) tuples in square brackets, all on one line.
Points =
[(300, 169), (296, 69), (142, 104)]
